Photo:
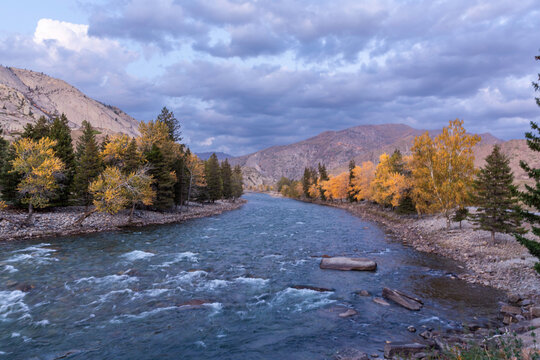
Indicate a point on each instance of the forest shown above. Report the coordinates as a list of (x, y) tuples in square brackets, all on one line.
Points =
[(42, 168)]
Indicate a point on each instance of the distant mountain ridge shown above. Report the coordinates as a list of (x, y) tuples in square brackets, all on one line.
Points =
[(220, 155), (336, 148), (27, 95)]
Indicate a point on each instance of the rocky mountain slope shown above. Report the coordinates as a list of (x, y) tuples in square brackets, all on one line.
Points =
[(26, 95), (335, 149)]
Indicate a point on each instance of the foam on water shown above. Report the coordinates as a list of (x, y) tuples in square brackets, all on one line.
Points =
[(214, 284), (10, 269), (142, 315), (137, 255), (12, 304), (299, 300), (108, 280), (36, 253), (251, 281), (42, 322)]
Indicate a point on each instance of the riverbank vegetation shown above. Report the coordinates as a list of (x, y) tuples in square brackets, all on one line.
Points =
[(155, 170)]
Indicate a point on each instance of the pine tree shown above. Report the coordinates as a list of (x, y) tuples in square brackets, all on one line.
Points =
[(172, 123), (531, 196), (351, 193), (307, 181), (38, 130), (89, 164), (496, 196), (397, 164), (163, 179), (133, 160), (226, 177), (237, 182), (323, 176), (60, 132), (10, 179), (106, 140), (181, 186), (214, 183)]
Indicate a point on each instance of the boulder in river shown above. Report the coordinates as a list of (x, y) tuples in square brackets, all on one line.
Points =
[(407, 301), (314, 288), (346, 264), (348, 313)]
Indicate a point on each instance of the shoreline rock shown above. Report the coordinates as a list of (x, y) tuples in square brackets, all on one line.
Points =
[(59, 221)]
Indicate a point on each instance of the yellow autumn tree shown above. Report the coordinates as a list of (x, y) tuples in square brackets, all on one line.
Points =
[(195, 168), (336, 187), (115, 152), (443, 170), (39, 167), (153, 132), (387, 187), (137, 189), (108, 192), (314, 191), (361, 182)]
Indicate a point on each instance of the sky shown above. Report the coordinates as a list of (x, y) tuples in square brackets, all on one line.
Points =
[(245, 75)]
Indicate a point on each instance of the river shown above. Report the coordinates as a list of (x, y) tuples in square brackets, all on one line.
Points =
[(126, 295)]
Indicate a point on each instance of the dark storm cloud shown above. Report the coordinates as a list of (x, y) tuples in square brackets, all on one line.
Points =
[(250, 74)]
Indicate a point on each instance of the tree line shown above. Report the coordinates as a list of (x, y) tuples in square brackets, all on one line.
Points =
[(42, 168)]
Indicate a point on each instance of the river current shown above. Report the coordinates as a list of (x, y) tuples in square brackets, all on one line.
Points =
[(223, 288)]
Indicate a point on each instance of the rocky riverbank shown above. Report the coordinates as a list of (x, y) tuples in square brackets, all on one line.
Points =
[(60, 221), (504, 264)]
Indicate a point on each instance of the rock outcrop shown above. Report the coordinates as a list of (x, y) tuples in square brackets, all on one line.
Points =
[(27, 95)]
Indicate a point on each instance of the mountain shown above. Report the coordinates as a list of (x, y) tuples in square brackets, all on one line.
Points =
[(336, 148), (26, 95), (220, 155)]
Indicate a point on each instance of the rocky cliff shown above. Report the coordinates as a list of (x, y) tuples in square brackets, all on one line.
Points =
[(26, 95)]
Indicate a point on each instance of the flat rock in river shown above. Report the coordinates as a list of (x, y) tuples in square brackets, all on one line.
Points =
[(407, 301), (346, 263)]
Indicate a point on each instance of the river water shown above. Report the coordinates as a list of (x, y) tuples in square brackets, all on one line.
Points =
[(126, 295)]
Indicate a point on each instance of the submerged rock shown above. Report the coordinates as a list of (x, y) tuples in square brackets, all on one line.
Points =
[(403, 350), (381, 301), (351, 354), (346, 264), (405, 300), (314, 288), (348, 313)]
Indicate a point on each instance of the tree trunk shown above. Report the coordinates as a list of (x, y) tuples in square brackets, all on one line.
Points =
[(460, 225), (189, 189), (131, 213), (447, 222), (30, 214), (493, 237), (83, 217)]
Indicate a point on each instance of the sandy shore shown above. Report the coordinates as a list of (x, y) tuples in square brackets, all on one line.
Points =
[(59, 222)]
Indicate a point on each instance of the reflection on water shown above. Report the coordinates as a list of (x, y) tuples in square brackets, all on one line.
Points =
[(222, 288)]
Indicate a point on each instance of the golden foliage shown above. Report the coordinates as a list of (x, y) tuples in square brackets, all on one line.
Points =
[(443, 169), (195, 167), (115, 152), (314, 191), (387, 187), (361, 183), (336, 187), (153, 132), (107, 191), (38, 164), (3, 205), (113, 190)]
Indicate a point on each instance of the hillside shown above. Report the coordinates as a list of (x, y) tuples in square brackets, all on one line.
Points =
[(334, 149), (26, 95)]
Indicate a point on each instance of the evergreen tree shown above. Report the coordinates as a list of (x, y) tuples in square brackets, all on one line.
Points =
[(531, 196), (496, 196), (38, 130), (397, 164), (323, 176), (351, 193), (106, 140), (460, 214), (172, 123), (61, 133), (89, 164), (9, 179), (4, 147), (181, 186), (237, 182), (163, 179), (133, 159), (214, 183), (306, 181), (226, 177)]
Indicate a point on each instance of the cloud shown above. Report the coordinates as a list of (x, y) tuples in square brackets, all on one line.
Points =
[(208, 141)]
